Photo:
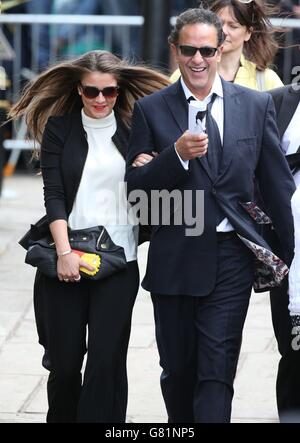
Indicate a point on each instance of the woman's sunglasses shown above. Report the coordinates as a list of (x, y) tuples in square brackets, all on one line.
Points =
[(190, 51), (93, 92)]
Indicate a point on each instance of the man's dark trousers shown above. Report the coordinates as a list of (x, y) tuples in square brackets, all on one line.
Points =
[(199, 340)]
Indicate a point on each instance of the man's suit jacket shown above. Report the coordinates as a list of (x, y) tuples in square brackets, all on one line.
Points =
[(286, 100), (180, 264)]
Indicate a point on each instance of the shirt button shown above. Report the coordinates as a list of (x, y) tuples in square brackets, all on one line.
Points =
[(214, 191)]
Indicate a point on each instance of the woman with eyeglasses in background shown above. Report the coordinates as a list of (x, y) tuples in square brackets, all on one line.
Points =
[(80, 112), (249, 47)]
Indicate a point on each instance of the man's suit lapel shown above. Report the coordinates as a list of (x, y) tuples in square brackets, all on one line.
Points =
[(177, 103), (231, 104), (178, 106), (288, 106)]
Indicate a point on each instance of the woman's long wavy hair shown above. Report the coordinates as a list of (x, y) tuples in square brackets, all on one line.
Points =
[(262, 46), (54, 91)]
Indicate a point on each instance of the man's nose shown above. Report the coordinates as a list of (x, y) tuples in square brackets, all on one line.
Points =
[(197, 57)]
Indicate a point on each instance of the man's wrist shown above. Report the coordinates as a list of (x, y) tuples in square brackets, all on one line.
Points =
[(185, 163)]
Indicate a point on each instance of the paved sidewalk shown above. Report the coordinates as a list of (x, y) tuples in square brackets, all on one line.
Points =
[(22, 378)]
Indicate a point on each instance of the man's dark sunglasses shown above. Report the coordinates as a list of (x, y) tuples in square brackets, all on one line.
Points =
[(190, 51), (93, 92)]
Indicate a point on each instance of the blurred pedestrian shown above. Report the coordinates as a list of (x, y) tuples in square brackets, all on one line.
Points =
[(75, 39), (71, 39), (287, 103), (289, 56), (179, 6)]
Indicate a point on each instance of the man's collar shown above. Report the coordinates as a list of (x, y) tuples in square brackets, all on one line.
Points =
[(217, 89)]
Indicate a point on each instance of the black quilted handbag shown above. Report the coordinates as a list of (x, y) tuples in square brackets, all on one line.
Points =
[(94, 245)]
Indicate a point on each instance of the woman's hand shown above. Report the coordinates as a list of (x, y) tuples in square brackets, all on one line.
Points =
[(68, 267), (143, 159)]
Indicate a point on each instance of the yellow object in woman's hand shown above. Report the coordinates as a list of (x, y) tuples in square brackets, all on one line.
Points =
[(93, 260)]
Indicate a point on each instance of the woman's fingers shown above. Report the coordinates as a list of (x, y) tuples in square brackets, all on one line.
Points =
[(143, 159), (86, 265)]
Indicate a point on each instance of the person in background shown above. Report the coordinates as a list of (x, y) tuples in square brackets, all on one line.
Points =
[(289, 9), (249, 46), (177, 6), (287, 104), (80, 110), (31, 35), (71, 39), (77, 39), (4, 107)]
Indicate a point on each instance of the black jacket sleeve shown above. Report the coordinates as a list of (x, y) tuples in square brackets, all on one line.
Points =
[(51, 150), (164, 172), (276, 183)]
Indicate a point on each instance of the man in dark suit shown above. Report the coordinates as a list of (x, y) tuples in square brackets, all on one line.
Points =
[(201, 284), (287, 104)]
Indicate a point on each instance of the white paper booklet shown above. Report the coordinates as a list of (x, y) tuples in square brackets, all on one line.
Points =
[(195, 124)]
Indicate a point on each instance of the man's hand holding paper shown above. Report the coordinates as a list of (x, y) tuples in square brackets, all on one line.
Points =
[(190, 145), (197, 112)]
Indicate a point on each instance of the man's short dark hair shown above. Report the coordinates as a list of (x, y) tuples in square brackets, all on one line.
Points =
[(195, 16)]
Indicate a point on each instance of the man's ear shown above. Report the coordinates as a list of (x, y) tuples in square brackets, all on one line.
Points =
[(174, 50)]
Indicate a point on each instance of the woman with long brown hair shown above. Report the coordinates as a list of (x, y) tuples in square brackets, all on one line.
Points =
[(80, 111)]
